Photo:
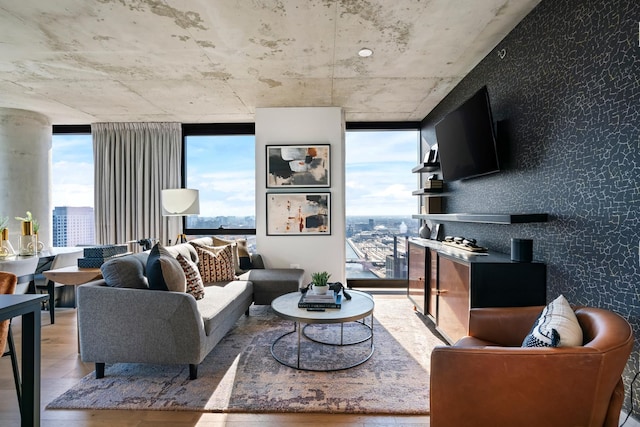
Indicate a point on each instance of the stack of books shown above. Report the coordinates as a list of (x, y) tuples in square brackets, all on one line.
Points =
[(310, 299), (433, 184), (95, 256)]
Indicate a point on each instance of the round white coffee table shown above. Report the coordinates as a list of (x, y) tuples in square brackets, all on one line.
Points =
[(356, 309)]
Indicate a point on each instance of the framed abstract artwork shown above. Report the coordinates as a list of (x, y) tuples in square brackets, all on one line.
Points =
[(301, 214), (291, 166)]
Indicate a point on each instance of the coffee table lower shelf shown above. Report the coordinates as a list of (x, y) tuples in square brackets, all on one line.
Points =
[(301, 331)]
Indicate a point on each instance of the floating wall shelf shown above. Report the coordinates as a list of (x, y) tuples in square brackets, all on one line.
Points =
[(426, 167), (428, 192), (486, 218)]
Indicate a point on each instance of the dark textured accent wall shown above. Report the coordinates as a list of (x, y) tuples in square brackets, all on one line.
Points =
[(565, 93)]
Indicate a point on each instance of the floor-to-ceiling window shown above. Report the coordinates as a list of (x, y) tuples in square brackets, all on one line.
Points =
[(379, 203), (72, 186), (219, 161)]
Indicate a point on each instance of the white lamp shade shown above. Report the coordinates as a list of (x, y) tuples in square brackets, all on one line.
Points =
[(180, 202)]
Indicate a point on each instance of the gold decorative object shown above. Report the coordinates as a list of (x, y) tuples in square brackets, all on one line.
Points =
[(6, 249), (28, 239)]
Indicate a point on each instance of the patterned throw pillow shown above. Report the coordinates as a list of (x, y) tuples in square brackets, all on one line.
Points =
[(216, 264), (241, 255), (557, 326), (195, 286), (210, 248)]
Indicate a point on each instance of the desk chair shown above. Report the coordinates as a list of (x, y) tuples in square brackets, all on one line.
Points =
[(8, 283), (61, 260)]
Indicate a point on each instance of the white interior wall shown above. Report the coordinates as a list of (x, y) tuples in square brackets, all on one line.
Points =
[(305, 125)]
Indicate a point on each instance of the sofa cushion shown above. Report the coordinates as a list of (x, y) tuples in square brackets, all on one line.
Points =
[(557, 326), (195, 286), (125, 272), (216, 264), (164, 271), (220, 301)]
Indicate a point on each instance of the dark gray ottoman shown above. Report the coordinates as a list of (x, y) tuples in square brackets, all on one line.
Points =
[(270, 283)]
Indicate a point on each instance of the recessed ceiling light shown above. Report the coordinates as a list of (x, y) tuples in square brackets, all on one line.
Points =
[(365, 52)]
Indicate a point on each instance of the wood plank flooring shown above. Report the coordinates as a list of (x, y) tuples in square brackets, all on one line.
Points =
[(62, 367)]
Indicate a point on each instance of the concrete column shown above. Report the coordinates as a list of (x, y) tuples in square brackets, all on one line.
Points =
[(25, 170)]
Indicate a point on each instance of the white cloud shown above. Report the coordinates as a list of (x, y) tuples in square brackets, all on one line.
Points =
[(72, 184)]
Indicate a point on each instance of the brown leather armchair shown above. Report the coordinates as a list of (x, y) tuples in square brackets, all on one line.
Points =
[(487, 379)]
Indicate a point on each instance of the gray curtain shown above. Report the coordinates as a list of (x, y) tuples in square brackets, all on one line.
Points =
[(133, 163)]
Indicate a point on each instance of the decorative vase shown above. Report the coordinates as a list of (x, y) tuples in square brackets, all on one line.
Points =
[(27, 228), (6, 249), (424, 231), (28, 240), (320, 290), (40, 245)]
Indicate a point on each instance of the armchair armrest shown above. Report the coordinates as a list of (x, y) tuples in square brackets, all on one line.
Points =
[(516, 386), (503, 326)]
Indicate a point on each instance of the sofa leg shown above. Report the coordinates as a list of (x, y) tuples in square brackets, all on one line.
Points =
[(193, 371), (246, 313), (99, 370)]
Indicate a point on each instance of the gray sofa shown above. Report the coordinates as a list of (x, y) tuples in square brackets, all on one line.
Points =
[(137, 325)]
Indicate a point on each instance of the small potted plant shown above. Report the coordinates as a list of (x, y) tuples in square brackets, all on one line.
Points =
[(27, 224), (319, 282)]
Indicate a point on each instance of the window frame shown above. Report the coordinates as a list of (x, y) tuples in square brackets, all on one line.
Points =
[(70, 130), (213, 129), (381, 126)]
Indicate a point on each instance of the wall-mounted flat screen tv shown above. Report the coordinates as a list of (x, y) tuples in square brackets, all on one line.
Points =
[(466, 140)]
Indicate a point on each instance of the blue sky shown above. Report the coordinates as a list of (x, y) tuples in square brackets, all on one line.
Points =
[(222, 168), (378, 173), (72, 170)]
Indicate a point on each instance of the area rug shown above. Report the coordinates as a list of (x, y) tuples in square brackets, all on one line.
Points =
[(241, 375)]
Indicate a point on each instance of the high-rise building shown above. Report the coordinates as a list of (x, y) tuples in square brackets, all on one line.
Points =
[(73, 226)]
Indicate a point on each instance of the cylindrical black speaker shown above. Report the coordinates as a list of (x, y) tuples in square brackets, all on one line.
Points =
[(521, 250)]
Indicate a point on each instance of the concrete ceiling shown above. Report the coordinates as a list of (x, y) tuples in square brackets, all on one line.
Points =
[(216, 61)]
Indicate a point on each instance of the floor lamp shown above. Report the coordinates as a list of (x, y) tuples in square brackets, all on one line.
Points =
[(180, 202)]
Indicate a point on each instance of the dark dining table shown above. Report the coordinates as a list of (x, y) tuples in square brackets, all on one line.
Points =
[(27, 306)]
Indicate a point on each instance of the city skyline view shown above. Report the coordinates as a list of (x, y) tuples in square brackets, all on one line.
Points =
[(378, 178)]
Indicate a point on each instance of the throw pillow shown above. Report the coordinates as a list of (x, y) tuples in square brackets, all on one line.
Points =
[(241, 255), (244, 257), (195, 286), (216, 265), (124, 272), (557, 326), (164, 271), (215, 248)]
